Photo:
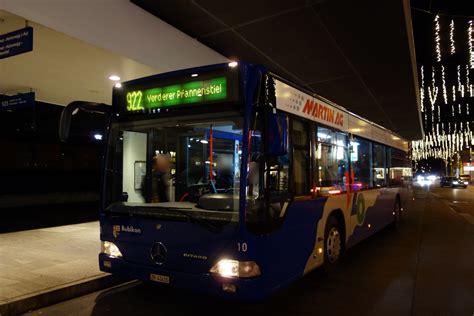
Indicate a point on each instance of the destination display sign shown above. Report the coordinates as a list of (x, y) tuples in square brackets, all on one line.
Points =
[(291, 100), (16, 42), (19, 101), (198, 91)]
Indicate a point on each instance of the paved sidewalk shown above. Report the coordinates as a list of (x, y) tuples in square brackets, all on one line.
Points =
[(39, 261)]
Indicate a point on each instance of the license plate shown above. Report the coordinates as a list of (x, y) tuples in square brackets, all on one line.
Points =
[(160, 278)]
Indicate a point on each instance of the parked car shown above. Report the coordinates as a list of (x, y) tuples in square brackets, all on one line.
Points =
[(453, 182), (465, 177)]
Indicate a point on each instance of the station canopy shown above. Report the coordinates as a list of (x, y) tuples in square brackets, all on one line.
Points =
[(60, 68)]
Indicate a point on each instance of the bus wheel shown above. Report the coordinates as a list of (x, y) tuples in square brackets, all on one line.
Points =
[(397, 213), (332, 243)]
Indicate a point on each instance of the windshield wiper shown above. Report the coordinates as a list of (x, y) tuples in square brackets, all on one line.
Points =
[(121, 208), (213, 228)]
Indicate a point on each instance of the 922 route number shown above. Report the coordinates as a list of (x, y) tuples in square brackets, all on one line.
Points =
[(134, 100)]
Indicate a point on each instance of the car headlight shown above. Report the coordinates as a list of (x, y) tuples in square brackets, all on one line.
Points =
[(109, 248), (233, 268), (466, 183), (455, 182)]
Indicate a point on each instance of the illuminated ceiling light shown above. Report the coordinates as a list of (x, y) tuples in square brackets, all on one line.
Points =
[(203, 141), (98, 136), (114, 78), (194, 75), (233, 64), (118, 85)]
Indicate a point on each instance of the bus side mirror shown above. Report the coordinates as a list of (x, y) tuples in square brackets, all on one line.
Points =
[(277, 134), (65, 121), (72, 108)]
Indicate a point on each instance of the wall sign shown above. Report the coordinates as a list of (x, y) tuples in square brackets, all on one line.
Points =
[(16, 42), (19, 101)]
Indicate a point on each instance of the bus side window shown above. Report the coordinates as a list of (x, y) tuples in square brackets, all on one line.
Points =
[(379, 169), (333, 165), (301, 157), (361, 163)]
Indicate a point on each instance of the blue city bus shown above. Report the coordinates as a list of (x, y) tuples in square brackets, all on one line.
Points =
[(232, 181)]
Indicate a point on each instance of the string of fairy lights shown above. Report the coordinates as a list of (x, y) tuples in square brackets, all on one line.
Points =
[(445, 110)]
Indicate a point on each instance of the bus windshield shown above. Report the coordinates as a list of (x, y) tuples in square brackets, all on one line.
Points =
[(177, 170)]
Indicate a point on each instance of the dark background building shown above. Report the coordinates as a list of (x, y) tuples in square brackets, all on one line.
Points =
[(49, 181)]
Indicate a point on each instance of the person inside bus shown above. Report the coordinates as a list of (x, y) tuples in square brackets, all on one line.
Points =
[(224, 175), (159, 180)]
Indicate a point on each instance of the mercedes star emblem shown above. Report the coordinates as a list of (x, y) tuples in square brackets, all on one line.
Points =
[(158, 253)]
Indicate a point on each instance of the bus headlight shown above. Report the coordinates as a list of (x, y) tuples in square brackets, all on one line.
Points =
[(109, 248), (233, 268)]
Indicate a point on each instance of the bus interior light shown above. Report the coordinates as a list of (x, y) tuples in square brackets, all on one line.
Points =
[(109, 248), (232, 268), (233, 64)]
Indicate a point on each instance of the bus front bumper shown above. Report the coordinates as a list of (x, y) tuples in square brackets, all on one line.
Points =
[(251, 289)]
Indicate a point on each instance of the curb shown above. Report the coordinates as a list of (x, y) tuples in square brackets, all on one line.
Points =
[(58, 294)]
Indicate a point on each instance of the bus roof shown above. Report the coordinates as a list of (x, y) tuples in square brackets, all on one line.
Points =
[(296, 100), (299, 101)]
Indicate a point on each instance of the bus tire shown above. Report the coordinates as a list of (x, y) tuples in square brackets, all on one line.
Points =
[(397, 213), (333, 244)]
